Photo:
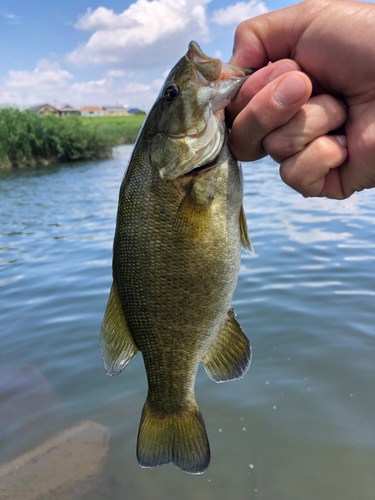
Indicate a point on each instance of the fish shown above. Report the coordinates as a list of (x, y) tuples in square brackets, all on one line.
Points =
[(176, 256)]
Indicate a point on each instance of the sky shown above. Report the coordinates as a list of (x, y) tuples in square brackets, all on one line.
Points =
[(107, 52)]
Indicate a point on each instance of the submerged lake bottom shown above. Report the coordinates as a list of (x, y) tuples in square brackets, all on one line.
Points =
[(298, 426)]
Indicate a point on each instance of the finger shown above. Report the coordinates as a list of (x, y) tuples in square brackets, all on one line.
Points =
[(255, 83), (271, 36), (320, 115), (313, 171), (271, 107)]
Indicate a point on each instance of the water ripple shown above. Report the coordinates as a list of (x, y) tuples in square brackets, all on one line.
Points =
[(305, 300)]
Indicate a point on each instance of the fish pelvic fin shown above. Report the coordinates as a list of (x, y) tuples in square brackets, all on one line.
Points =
[(116, 342), (245, 237), (230, 355), (178, 438)]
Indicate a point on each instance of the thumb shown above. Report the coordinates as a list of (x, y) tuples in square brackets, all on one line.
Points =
[(269, 37)]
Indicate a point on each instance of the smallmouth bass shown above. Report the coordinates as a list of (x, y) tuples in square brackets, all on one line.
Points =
[(176, 256)]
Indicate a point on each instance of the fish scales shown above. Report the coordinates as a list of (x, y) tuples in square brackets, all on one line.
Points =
[(176, 260), (162, 288)]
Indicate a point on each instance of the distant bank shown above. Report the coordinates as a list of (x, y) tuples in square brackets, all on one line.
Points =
[(28, 139)]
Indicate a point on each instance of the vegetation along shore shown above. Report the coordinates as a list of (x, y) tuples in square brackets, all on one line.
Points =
[(28, 139)]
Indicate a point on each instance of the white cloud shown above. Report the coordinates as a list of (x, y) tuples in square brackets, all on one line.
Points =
[(92, 88), (234, 14), (147, 33), (105, 19), (49, 83), (115, 73), (47, 74), (109, 91), (12, 19), (134, 87)]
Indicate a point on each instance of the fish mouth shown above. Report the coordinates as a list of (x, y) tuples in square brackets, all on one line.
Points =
[(207, 70)]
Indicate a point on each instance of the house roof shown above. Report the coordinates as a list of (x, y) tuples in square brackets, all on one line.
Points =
[(38, 106), (91, 108), (66, 107), (133, 110), (115, 108)]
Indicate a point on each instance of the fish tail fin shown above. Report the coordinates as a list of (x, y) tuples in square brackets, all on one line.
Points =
[(179, 438)]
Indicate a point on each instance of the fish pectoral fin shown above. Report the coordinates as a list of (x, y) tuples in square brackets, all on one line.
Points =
[(192, 218), (245, 237), (230, 356), (178, 438), (116, 342)]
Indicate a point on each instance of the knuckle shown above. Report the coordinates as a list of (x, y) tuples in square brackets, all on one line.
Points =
[(245, 32), (366, 141), (264, 116), (278, 146), (239, 32), (241, 29), (292, 176), (334, 109), (326, 149), (243, 149)]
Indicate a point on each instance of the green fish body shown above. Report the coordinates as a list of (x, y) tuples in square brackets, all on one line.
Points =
[(176, 257)]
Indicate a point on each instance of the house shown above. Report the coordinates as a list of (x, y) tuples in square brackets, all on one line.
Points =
[(92, 111), (65, 110), (44, 109), (136, 111), (115, 110)]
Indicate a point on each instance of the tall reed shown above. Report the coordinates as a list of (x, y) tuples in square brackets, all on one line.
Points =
[(27, 139)]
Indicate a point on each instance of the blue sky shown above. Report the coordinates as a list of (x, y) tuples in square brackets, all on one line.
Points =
[(93, 52)]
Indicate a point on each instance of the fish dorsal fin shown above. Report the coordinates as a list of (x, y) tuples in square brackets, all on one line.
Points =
[(245, 237), (116, 342), (230, 355)]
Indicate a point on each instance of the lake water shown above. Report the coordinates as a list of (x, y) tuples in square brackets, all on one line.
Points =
[(298, 426)]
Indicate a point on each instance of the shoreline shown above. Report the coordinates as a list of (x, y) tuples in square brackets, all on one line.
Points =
[(30, 140), (46, 162)]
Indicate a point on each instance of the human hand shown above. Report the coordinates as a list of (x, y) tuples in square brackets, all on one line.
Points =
[(338, 56)]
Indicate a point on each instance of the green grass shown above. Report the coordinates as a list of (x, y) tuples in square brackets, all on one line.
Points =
[(28, 139), (120, 129)]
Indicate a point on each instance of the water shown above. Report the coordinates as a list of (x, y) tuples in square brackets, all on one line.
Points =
[(300, 425)]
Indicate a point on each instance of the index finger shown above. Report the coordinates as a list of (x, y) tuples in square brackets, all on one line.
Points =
[(270, 108), (255, 83)]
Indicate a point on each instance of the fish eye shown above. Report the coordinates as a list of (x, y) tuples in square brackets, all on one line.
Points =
[(171, 92)]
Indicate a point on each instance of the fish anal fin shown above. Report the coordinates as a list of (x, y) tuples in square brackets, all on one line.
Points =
[(116, 342), (177, 438), (245, 237), (230, 355)]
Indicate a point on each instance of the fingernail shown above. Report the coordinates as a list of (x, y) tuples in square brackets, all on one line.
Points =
[(342, 139), (280, 70), (290, 90)]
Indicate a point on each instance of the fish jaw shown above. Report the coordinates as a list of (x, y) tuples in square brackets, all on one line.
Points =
[(212, 69), (191, 130)]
